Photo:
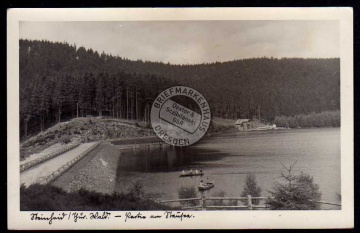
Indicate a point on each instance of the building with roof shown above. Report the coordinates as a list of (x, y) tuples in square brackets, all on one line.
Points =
[(243, 124)]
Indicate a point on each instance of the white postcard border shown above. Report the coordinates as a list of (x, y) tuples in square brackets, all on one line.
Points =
[(343, 218)]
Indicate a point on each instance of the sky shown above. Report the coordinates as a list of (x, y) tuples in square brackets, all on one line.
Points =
[(193, 42)]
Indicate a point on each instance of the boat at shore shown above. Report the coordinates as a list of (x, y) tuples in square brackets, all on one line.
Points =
[(274, 127), (261, 128)]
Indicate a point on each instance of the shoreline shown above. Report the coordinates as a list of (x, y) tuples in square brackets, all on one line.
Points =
[(128, 135)]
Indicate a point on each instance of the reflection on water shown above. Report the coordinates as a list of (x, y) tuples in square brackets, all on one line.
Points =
[(166, 159), (227, 159)]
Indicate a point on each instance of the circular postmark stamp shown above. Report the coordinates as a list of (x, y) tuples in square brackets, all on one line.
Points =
[(180, 116)]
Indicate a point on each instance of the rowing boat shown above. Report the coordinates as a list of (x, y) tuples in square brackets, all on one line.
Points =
[(205, 186), (191, 174)]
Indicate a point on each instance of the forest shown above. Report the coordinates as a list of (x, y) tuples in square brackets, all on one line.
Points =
[(59, 81)]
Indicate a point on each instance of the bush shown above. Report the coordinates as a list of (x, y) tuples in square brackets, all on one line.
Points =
[(40, 139), (251, 188), (188, 192), (233, 203), (50, 198), (219, 193), (65, 140), (137, 189), (281, 121), (297, 193), (50, 137)]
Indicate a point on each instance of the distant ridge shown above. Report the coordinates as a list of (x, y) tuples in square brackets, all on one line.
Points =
[(56, 76)]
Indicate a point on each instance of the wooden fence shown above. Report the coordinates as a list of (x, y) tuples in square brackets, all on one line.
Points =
[(203, 203)]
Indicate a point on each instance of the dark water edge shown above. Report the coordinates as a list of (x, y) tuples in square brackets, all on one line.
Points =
[(227, 158)]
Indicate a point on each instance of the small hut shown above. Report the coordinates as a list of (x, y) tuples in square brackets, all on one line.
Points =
[(243, 124)]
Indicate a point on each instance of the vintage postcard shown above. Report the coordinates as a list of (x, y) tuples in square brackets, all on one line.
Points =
[(179, 118)]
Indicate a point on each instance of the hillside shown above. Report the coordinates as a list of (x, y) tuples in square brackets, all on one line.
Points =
[(60, 81)]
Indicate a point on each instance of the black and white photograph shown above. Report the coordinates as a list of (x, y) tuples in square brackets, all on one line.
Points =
[(121, 118)]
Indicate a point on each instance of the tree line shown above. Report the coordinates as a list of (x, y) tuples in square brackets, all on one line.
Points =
[(60, 80), (322, 119), (46, 101)]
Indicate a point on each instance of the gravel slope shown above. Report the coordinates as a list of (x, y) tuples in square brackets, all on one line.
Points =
[(95, 172)]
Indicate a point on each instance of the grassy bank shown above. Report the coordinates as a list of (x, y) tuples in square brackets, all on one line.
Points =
[(49, 198)]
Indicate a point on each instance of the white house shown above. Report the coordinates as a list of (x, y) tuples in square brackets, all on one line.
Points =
[(243, 124)]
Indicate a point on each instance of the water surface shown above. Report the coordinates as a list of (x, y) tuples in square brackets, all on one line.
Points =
[(226, 159)]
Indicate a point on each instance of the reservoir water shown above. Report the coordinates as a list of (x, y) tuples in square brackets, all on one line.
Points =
[(226, 160)]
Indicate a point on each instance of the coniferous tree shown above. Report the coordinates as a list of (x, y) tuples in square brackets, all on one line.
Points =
[(251, 188), (298, 192)]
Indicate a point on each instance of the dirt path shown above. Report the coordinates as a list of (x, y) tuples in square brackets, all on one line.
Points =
[(36, 173), (50, 149)]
